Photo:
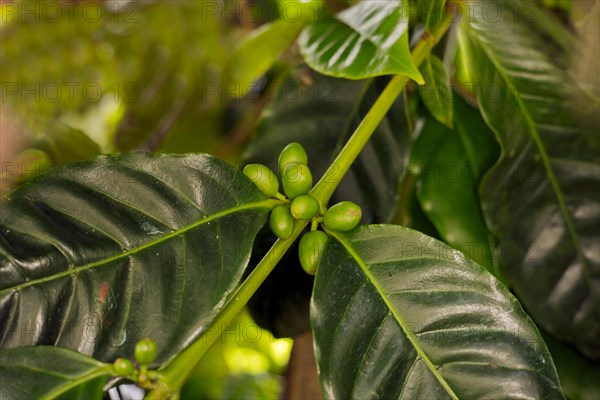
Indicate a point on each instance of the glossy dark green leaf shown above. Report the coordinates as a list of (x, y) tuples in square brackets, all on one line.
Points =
[(436, 92), (450, 164), (47, 372), (97, 255), (366, 40), (321, 113), (397, 314), (541, 199)]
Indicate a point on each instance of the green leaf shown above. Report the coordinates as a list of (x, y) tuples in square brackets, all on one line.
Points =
[(539, 198), (47, 372), (578, 376), (366, 40), (437, 92), (450, 166), (65, 144), (432, 12), (258, 51), (97, 255), (549, 23), (398, 314), (321, 113)]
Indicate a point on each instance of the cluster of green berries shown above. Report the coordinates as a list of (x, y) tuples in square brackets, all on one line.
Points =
[(297, 182), (145, 353)]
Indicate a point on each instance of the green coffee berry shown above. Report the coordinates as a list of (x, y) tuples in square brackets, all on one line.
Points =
[(145, 351), (304, 207), (343, 216), (281, 222), (123, 366), (293, 153), (263, 178), (297, 180), (310, 250)]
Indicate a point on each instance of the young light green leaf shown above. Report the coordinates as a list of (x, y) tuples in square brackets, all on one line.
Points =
[(450, 165), (538, 199), (437, 91), (100, 254), (366, 40), (48, 372), (398, 314), (257, 52)]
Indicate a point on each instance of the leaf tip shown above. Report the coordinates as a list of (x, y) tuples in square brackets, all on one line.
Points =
[(417, 77)]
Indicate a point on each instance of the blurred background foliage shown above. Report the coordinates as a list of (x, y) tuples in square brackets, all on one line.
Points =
[(247, 362), (83, 78)]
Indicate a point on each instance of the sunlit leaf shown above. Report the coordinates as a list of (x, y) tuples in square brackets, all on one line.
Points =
[(363, 41)]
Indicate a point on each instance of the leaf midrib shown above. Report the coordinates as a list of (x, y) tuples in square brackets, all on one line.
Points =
[(80, 380), (535, 136), (403, 325), (249, 206)]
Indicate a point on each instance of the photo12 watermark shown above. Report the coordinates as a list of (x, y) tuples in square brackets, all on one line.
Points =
[(93, 12), (70, 92)]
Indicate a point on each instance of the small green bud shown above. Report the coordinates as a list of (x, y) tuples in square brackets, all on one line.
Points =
[(145, 351), (123, 367)]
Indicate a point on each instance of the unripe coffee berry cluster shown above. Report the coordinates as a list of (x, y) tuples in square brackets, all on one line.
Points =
[(145, 353), (298, 204), (296, 180)]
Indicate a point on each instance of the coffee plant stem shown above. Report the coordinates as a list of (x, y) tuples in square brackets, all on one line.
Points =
[(176, 372), (324, 189)]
